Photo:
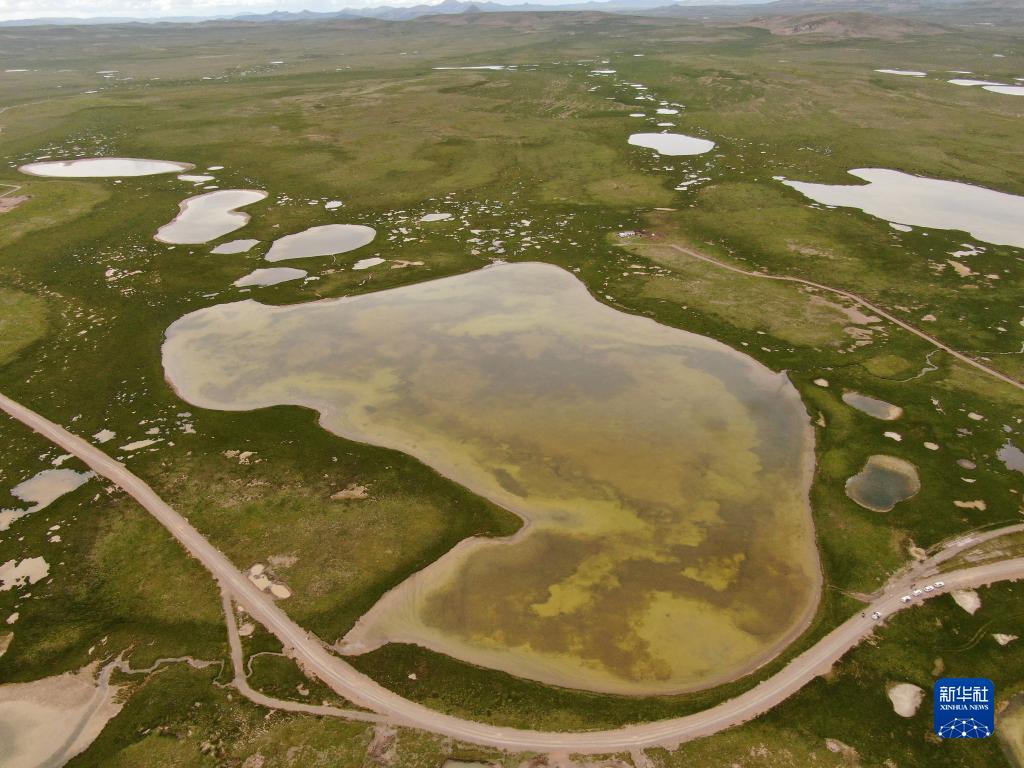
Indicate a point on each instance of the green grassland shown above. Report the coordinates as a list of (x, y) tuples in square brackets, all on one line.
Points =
[(23, 320), (116, 581), (357, 113)]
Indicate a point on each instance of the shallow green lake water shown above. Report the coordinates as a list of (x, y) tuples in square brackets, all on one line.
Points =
[(663, 476)]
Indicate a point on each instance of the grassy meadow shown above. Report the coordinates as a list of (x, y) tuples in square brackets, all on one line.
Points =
[(357, 112)]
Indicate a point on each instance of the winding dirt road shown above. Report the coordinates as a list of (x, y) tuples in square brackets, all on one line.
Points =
[(241, 683), (858, 300), (318, 661)]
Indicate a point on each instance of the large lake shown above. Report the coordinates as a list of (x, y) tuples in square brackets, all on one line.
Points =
[(663, 476)]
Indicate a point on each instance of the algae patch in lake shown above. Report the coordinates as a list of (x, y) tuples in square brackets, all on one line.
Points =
[(663, 475)]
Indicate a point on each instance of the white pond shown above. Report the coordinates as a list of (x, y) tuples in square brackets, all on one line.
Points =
[(672, 143), (325, 240), (235, 246), (195, 178), (491, 67), (988, 215), (872, 406), (19, 574), (1006, 90), (373, 261), (271, 276), (964, 81), (208, 216), (904, 72), (98, 167), (41, 490), (905, 698), (1009, 454), (428, 217)]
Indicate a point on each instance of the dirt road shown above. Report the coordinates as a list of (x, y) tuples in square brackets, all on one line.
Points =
[(864, 303)]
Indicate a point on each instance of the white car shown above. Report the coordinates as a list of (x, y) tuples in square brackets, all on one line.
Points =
[(906, 598), (918, 593), (940, 584), (929, 588), (876, 615)]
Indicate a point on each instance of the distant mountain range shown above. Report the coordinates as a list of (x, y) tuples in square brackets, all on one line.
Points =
[(390, 12), (681, 8)]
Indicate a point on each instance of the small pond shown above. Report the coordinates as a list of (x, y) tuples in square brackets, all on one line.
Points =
[(672, 144), (883, 483), (325, 240), (100, 167), (208, 216), (271, 276), (1011, 456), (41, 490), (872, 406)]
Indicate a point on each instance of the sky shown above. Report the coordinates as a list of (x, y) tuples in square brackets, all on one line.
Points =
[(34, 9)]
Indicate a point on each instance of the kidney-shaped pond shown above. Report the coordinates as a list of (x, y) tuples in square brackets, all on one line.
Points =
[(208, 216), (663, 476)]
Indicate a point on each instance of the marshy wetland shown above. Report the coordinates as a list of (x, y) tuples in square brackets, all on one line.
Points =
[(620, 387)]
